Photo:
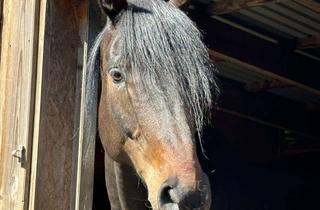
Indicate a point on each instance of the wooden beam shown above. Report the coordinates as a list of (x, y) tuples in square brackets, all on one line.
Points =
[(59, 180), (19, 40), (264, 123), (223, 7), (265, 85), (309, 42), (265, 139), (269, 108), (296, 150), (249, 67), (85, 162), (276, 58), (182, 4), (311, 4)]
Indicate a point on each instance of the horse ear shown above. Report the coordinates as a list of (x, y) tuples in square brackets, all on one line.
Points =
[(112, 8), (182, 4)]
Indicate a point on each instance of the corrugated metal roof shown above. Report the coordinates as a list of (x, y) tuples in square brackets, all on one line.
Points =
[(285, 20), (289, 18)]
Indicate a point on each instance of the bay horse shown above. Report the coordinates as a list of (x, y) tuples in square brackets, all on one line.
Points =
[(156, 89)]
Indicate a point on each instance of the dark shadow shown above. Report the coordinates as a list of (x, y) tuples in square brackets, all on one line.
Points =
[(241, 183), (100, 195)]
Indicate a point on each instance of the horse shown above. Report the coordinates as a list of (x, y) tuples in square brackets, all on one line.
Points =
[(157, 87)]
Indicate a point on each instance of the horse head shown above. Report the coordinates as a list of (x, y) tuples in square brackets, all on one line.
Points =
[(156, 80)]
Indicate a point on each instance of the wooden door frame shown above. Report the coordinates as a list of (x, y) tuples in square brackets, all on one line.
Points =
[(48, 89)]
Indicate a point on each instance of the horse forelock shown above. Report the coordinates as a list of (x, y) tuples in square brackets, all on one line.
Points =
[(166, 53)]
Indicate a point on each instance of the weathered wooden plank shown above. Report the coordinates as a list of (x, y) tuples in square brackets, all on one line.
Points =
[(269, 107), (278, 58), (223, 7), (86, 144), (311, 4), (56, 135), (1, 22), (264, 123), (222, 57), (35, 143), (182, 4), (84, 161), (18, 58), (309, 42)]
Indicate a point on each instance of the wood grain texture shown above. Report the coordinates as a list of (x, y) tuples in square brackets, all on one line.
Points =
[(311, 4), (56, 134), (18, 58), (84, 161), (223, 7), (86, 144), (309, 42), (1, 23)]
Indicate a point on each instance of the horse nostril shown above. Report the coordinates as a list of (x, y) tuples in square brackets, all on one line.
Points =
[(172, 196), (167, 194), (165, 197)]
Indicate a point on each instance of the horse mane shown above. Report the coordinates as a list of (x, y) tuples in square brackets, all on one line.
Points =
[(164, 49)]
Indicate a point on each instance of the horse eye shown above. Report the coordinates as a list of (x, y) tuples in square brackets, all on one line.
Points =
[(117, 75)]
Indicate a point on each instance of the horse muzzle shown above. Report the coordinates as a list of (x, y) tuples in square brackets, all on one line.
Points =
[(173, 195)]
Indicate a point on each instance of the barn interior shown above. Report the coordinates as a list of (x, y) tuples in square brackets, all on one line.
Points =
[(263, 144)]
